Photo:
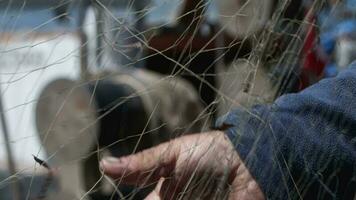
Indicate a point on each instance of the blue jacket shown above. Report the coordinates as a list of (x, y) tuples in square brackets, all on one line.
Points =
[(304, 145)]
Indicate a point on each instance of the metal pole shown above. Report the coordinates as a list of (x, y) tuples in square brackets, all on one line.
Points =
[(11, 164), (83, 6)]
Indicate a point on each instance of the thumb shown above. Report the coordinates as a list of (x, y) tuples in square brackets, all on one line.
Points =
[(143, 167)]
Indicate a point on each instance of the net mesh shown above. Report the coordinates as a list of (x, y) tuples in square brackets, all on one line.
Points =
[(81, 80)]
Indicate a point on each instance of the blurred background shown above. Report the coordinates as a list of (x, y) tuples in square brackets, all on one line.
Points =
[(85, 78)]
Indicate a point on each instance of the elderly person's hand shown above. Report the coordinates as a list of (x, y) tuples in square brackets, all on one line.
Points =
[(201, 165)]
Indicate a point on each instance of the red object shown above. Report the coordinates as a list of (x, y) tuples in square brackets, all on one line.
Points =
[(313, 64)]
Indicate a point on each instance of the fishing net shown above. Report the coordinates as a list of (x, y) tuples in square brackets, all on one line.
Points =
[(81, 80)]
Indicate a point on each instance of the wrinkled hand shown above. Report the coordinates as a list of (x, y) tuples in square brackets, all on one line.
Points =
[(202, 165)]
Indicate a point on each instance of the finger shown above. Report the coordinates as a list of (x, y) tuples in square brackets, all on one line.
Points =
[(143, 167), (155, 194)]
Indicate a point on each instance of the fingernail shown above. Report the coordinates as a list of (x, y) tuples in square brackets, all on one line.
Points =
[(109, 161)]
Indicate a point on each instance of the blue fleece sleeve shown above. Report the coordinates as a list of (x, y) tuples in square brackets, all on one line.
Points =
[(304, 145)]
